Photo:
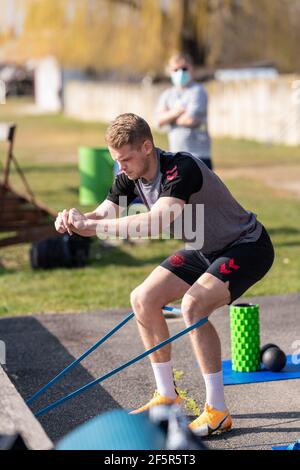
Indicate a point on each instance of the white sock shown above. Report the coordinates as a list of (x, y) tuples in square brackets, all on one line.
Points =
[(163, 373), (215, 390)]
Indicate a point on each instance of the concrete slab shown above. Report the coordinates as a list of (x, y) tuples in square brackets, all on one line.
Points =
[(16, 417)]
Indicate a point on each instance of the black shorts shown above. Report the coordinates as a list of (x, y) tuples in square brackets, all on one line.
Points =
[(242, 265)]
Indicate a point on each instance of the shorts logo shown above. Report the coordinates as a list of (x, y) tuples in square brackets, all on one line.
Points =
[(177, 260), (172, 174), (231, 264)]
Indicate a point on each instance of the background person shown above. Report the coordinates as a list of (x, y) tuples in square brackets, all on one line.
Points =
[(183, 107)]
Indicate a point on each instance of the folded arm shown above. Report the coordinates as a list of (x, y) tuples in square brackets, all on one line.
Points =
[(168, 116), (186, 120)]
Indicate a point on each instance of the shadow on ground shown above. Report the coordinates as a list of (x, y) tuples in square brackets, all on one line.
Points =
[(115, 255), (34, 356)]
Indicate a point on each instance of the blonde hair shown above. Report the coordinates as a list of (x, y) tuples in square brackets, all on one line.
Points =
[(126, 129)]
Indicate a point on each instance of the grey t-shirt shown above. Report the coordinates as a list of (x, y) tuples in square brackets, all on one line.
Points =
[(149, 191), (226, 223), (194, 100)]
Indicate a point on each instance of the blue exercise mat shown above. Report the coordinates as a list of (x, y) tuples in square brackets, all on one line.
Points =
[(294, 446), (280, 447), (291, 371)]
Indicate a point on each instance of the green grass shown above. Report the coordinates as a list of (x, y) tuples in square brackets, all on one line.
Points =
[(46, 147), (190, 405), (279, 214), (229, 153)]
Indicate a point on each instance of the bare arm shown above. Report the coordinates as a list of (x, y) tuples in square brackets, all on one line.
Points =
[(106, 210), (152, 223), (187, 121), (168, 116), (196, 109)]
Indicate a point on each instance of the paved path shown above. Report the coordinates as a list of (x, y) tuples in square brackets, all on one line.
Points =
[(38, 347)]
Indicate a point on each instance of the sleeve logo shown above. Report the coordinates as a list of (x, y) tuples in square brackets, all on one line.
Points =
[(172, 174)]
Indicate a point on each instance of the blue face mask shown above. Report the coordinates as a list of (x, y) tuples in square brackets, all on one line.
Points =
[(180, 77)]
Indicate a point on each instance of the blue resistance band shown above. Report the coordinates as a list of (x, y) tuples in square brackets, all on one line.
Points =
[(89, 351), (114, 371)]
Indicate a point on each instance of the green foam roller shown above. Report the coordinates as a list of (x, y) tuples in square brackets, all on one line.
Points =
[(245, 337)]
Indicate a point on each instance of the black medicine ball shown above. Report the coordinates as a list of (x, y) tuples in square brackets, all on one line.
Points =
[(274, 359)]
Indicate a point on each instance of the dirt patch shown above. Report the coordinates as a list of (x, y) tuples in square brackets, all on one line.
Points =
[(278, 177)]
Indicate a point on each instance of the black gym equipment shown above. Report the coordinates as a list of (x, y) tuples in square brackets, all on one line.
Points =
[(265, 347), (273, 358)]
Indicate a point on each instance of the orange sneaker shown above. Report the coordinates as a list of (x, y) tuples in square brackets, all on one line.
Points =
[(211, 421), (157, 400)]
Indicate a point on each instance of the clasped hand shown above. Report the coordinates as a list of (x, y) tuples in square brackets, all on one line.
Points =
[(71, 221)]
